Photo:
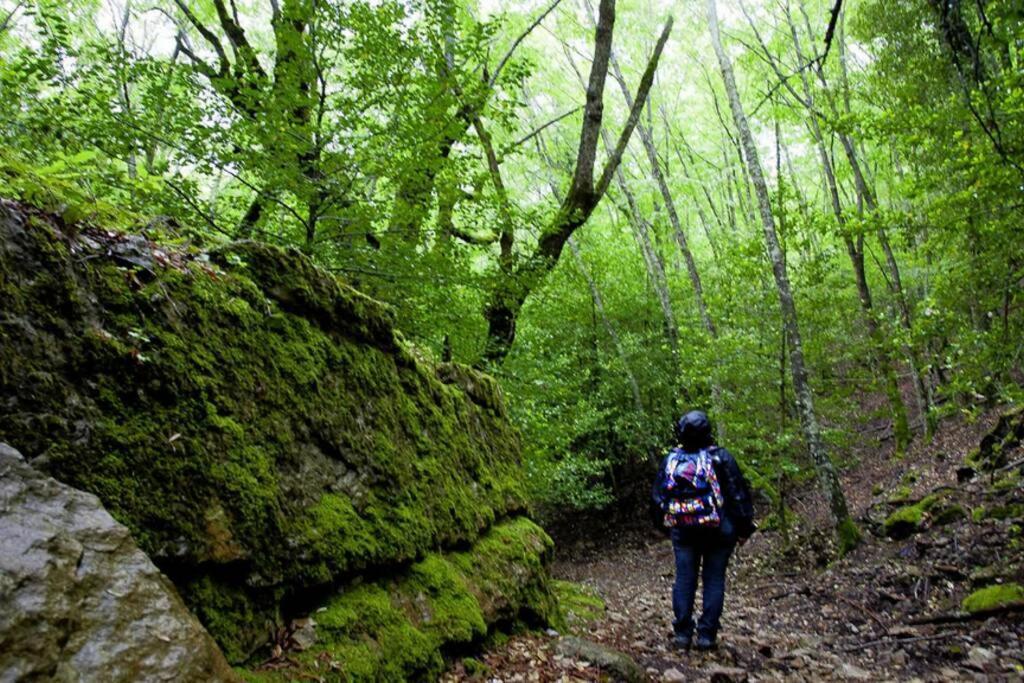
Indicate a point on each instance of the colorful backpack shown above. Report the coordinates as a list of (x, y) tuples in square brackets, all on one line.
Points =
[(692, 495)]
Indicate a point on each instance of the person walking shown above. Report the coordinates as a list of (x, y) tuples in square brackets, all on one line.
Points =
[(706, 503)]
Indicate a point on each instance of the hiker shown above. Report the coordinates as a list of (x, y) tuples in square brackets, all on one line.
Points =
[(706, 503)]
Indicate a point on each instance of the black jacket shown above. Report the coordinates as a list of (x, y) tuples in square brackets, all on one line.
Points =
[(739, 504)]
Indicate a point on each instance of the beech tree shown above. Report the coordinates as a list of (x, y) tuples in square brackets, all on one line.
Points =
[(521, 274), (846, 529)]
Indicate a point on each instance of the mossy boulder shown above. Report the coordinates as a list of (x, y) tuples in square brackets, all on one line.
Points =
[(257, 424), (995, 597), (578, 604), (948, 514), (399, 629)]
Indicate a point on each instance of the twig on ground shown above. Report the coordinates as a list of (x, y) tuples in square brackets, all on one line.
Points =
[(898, 641), (870, 613), (958, 617)]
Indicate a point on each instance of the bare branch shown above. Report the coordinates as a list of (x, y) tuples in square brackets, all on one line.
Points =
[(5, 24), (520, 39), (634, 114), (208, 35), (233, 30), (538, 131), (830, 31), (583, 178), (494, 167)]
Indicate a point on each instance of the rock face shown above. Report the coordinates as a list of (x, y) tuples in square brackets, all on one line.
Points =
[(398, 628), (79, 601), (258, 425)]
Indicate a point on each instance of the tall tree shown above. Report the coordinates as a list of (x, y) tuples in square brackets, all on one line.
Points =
[(853, 240), (521, 274), (846, 528)]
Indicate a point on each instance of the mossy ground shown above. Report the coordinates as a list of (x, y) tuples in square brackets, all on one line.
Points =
[(905, 520), (257, 424), (578, 604), (994, 597)]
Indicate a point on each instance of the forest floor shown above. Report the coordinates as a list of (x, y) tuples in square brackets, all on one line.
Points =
[(887, 611)]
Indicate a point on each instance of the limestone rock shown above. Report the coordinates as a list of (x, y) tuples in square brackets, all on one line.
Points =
[(851, 672), (673, 676), (620, 665), (727, 674), (981, 658), (79, 601), (258, 425)]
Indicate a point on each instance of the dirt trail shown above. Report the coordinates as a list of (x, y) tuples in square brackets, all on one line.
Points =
[(796, 616)]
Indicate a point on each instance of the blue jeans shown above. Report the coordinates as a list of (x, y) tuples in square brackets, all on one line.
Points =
[(693, 548)]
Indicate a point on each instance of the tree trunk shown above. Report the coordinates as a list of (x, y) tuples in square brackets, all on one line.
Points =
[(855, 250), (848, 534), (505, 300)]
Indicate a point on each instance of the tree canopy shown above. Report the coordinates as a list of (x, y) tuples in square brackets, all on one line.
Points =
[(770, 210)]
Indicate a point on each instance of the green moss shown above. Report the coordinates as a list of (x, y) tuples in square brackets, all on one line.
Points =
[(1008, 482), (237, 621), (848, 535), (994, 597), (252, 417), (900, 494), (474, 668), (578, 604), (907, 519), (999, 442), (877, 490), (1008, 511), (949, 514), (397, 629)]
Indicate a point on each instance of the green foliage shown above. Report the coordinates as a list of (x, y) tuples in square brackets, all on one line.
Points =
[(348, 130)]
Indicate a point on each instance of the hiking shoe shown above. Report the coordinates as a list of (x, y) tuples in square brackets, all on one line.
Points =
[(704, 643), (681, 641)]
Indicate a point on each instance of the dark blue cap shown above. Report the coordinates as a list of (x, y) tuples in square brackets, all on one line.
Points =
[(694, 430)]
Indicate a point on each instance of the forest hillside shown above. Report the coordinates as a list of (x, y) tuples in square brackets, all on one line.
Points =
[(350, 336)]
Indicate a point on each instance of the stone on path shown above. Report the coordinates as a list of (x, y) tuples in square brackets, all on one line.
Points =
[(79, 601), (980, 657), (851, 672), (727, 674), (673, 676), (617, 663)]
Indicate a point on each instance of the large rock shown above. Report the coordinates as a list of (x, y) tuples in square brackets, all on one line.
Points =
[(79, 601), (258, 425)]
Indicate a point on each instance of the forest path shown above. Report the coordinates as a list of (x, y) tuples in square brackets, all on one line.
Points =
[(791, 615)]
